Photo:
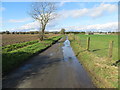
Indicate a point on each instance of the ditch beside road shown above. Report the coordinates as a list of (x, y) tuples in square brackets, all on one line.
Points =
[(56, 67)]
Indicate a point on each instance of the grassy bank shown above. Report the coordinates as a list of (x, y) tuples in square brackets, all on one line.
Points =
[(103, 74), (14, 58)]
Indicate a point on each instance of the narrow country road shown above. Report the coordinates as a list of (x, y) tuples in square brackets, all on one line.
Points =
[(56, 67)]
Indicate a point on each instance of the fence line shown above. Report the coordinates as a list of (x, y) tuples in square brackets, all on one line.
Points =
[(88, 44), (110, 49)]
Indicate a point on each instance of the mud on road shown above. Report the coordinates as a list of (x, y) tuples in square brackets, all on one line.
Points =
[(56, 67)]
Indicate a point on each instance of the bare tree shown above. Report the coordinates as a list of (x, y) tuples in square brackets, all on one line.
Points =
[(62, 31), (43, 12)]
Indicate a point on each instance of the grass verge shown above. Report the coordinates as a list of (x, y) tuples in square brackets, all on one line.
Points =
[(102, 73)]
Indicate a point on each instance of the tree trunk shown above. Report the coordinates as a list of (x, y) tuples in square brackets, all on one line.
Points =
[(42, 33)]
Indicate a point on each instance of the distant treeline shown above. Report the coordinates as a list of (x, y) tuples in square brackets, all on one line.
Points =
[(56, 32), (31, 32), (37, 32)]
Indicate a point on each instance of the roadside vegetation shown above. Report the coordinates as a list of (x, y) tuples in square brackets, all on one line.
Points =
[(14, 55), (96, 61), (17, 45)]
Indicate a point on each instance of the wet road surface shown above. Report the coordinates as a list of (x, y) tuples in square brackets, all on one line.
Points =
[(57, 67)]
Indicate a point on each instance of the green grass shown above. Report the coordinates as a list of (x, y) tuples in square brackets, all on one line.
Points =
[(103, 74), (99, 44), (12, 47), (12, 59), (17, 46)]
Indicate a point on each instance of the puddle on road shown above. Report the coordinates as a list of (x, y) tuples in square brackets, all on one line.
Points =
[(51, 54), (67, 51), (74, 65)]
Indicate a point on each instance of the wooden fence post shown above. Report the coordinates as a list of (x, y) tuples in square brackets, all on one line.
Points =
[(79, 41), (110, 49), (88, 43), (74, 36)]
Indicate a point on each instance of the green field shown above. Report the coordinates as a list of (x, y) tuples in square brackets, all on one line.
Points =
[(15, 54), (101, 69), (99, 44)]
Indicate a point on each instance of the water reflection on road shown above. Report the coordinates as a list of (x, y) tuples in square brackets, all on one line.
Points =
[(75, 67), (68, 52)]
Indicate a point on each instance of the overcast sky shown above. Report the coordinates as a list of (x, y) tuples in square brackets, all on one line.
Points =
[(73, 16)]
